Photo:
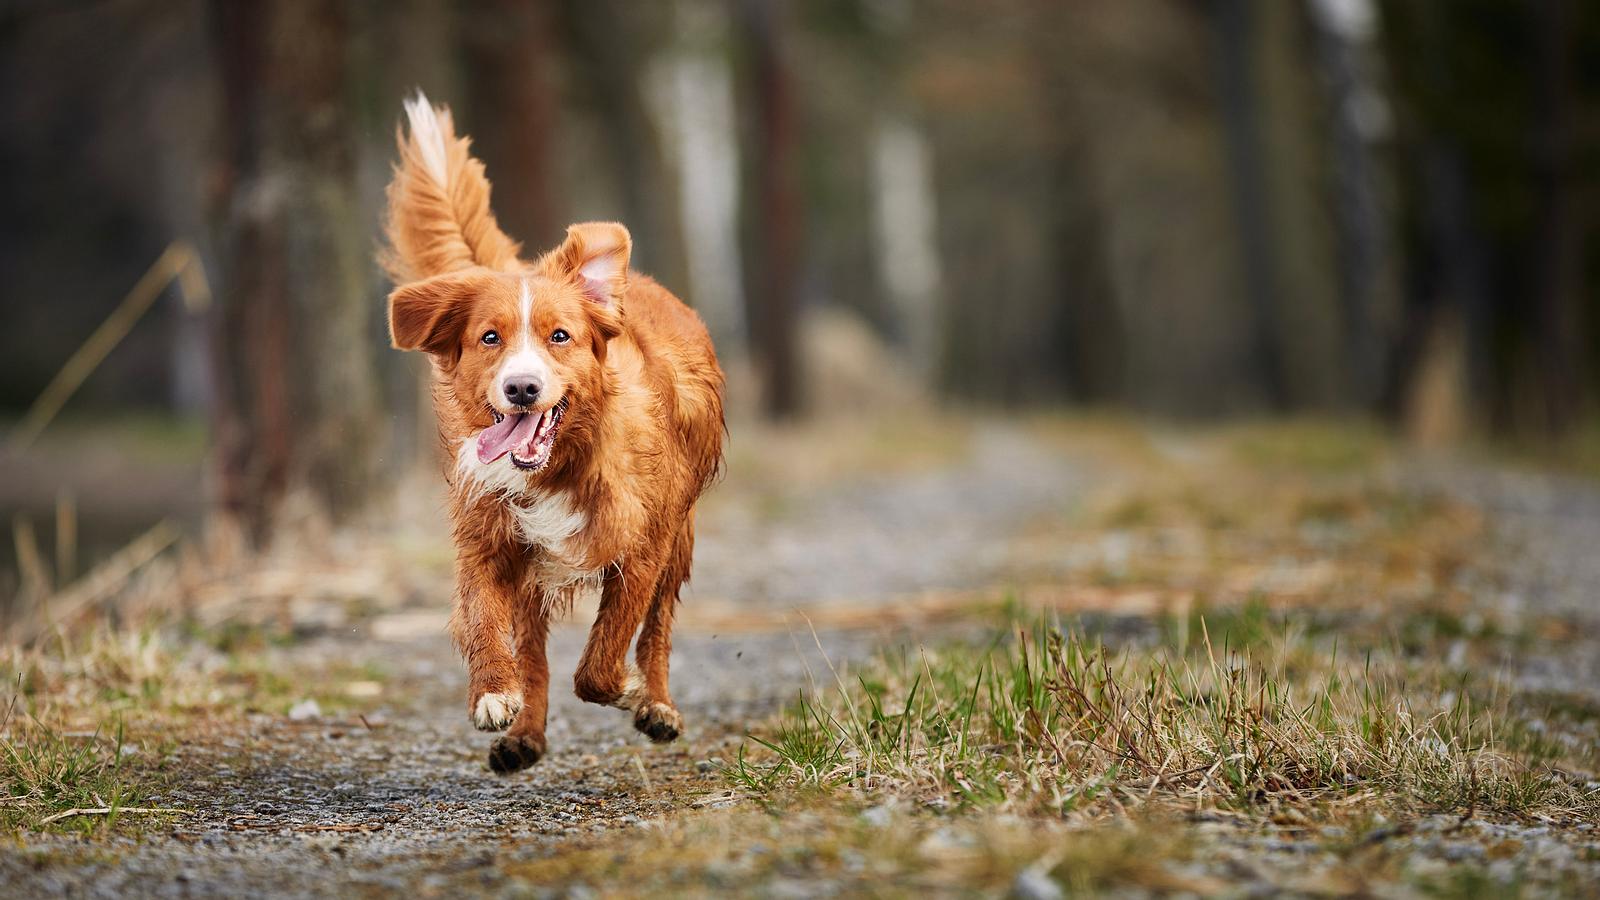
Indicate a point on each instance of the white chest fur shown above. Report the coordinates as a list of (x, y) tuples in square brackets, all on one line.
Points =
[(547, 522)]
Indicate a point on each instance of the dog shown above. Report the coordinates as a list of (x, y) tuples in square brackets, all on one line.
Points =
[(580, 407)]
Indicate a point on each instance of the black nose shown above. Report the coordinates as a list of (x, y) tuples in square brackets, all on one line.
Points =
[(522, 390)]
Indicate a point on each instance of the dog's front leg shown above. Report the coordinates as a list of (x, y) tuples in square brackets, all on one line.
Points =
[(480, 625), (604, 674), (524, 744)]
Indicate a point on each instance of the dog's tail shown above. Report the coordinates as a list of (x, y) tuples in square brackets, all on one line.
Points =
[(439, 218)]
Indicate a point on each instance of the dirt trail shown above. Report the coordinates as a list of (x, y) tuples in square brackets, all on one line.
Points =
[(403, 801)]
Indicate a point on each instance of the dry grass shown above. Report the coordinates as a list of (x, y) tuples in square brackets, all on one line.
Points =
[(1051, 721), (822, 849), (88, 722), (805, 844), (166, 679)]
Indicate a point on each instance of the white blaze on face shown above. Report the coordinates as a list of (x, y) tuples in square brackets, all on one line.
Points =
[(526, 357)]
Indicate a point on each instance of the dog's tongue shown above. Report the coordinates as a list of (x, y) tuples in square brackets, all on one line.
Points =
[(498, 439)]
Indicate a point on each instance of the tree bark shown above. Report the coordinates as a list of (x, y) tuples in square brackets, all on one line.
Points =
[(773, 216), (507, 51), (293, 355), (1241, 113)]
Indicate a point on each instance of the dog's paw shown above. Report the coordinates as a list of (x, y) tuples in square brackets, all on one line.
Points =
[(659, 722), (514, 752), (495, 710)]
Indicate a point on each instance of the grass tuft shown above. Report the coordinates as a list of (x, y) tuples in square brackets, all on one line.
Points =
[(45, 772), (1051, 720)]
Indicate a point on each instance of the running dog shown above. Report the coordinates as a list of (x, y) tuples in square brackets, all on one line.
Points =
[(580, 404)]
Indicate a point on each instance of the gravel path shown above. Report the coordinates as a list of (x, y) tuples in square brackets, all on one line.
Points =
[(403, 801), (871, 537), (1545, 529)]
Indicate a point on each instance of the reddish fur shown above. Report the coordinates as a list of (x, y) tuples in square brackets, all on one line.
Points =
[(640, 440), (434, 229)]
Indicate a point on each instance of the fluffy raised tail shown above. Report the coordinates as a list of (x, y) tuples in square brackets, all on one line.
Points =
[(439, 218)]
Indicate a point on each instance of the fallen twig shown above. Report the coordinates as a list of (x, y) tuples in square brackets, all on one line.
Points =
[(713, 800), (107, 810)]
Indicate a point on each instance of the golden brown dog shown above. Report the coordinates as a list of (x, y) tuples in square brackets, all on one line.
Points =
[(581, 407)]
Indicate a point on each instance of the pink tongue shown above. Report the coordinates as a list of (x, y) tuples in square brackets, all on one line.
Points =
[(498, 439)]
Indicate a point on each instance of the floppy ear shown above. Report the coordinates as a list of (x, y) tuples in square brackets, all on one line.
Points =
[(595, 255), (429, 315)]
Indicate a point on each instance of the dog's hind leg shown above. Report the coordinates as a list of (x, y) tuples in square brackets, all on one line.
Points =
[(604, 674), (656, 715), (524, 744)]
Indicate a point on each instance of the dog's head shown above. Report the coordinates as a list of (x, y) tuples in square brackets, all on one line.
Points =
[(523, 352)]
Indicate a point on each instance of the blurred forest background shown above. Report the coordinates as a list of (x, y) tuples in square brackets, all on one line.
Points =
[(1185, 208)]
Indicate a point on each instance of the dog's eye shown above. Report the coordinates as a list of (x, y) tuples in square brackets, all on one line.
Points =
[(560, 336), (491, 338)]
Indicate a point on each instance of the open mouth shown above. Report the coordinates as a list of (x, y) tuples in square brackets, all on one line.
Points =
[(525, 437)]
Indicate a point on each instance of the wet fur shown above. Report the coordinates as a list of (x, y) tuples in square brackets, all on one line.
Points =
[(640, 439)]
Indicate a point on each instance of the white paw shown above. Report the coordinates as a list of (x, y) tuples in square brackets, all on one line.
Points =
[(632, 690), (495, 711)]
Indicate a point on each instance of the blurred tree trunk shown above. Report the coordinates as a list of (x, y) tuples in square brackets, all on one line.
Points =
[(1236, 31), (1497, 196), (772, 214), (694, 102), (907, 250), (1444, 338), (1087, 337), (1358, 221), (296, 386), (507, 52), (906, 294), (1555, 241), (402, 46), (1091, 328), (1455, 292), (1293, 122)]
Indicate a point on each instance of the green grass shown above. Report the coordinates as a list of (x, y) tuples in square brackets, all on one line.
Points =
[(45, 772), (1050, 720)]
